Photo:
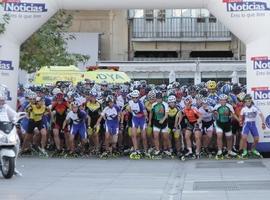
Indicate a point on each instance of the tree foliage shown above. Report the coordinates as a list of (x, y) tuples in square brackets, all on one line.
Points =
[(48, 46), (4, 20)]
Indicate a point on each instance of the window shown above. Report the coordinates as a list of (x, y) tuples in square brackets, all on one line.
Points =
[(211, 54), (212, 19), (200, 19), (149, 14), (161, 15), (177, 13), (155, 54), (138, 13)]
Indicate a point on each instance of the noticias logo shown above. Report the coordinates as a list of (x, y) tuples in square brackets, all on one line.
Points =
[(25, 7), (262, 62), (261, 93), (240, 5), (6, 65)]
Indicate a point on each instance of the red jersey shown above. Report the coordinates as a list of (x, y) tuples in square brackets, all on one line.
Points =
[(60, 108), (237, 108), (192, 114)]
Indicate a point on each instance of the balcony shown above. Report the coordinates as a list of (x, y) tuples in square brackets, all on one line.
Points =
[(179, 29)]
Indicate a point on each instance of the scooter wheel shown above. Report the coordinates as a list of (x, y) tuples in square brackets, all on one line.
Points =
[(8, 171)]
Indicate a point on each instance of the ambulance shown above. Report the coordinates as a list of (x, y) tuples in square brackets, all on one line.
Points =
[(52, 74), (111, 75)]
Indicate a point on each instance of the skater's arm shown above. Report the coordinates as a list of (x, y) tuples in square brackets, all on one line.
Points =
[(235, 117), (150, 118), (64, 124), (88, 121), (263, 120), (241, 120), (99, 120), (164, 118), (145, 115), (176, 122)]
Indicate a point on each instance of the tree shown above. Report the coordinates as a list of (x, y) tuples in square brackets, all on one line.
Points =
[(4, 19), (47, 47)]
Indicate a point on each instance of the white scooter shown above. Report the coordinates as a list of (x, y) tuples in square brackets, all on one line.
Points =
[(9, 147)]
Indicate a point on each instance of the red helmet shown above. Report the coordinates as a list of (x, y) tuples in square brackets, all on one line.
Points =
[(178, 94), (59, 96)]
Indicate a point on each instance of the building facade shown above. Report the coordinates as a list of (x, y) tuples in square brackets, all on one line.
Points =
[(112, 25), (150, 43)]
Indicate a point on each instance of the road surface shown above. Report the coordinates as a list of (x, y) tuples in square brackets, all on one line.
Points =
[(124, 179)]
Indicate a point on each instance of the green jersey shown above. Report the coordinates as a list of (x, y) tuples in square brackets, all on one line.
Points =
[(159, 110), (224, 112)]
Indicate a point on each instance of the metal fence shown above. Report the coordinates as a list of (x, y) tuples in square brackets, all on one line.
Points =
[(180, 59), (179, 27)]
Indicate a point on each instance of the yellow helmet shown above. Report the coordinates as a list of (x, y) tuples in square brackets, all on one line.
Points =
[(211, 85)]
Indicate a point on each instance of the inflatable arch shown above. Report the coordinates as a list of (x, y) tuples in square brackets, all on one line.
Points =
[(249, 20)]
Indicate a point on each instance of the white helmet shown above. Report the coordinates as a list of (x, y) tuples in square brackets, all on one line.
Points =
[(223, 97), (56, 91), (136, 84), (32, 95), (171, 99), (170, 86), (2, 96), (151, 94), (76, 104), (135, 94)]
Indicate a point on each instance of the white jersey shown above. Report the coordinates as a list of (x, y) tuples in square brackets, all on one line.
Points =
[(120, 102), (74, 117), (207, 115), (194, 102), (180, 105), (137, 108), (143, 98), (7, 114), (110, 113), (250, 114), (81, 100)]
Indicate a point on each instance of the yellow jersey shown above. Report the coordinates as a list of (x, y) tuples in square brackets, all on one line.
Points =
[(36, 113)]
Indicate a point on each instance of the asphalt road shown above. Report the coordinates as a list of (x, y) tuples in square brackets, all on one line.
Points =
[(124, 179)]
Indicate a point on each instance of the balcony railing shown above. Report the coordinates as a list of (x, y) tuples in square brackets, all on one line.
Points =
[(179, 28)]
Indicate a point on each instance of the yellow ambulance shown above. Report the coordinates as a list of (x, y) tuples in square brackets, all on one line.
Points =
[(53, 74)]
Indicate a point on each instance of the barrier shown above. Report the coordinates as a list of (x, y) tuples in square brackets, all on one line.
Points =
[(247, 19)]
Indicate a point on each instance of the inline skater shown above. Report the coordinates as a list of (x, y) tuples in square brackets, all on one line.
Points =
[(111, 114), (139, 119), (207, 124), (236, 128), (36, 112), (248, 117), (93, 109), (193, 121), (59, 111), (76, 118), (159, 115), (174, 129), (224, 113)]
